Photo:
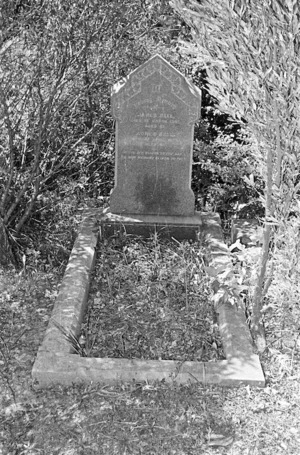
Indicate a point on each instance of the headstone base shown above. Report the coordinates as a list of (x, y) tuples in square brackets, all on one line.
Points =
[(178, 227)]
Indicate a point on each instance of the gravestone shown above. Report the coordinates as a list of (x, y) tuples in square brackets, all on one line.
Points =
[(155, 111)]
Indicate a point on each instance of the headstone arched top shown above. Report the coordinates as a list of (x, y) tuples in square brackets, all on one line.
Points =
[(132, 86)]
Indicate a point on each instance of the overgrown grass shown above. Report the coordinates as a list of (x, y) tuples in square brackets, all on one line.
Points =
[(135, 418), (150, 299)]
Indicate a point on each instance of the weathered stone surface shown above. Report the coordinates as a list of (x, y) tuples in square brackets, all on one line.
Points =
[(55, 364), (58, 368), (71, 301), (178, 227), (155, 111)]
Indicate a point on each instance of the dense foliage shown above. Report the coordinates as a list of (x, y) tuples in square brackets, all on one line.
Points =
[(59, 61), (250, 51)]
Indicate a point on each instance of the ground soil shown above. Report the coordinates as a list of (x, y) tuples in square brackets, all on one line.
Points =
[(151, 299)]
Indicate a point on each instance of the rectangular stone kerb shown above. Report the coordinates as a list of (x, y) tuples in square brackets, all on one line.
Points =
[(55, 362)]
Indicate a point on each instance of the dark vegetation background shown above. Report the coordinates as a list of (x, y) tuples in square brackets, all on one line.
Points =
[(58, 64)]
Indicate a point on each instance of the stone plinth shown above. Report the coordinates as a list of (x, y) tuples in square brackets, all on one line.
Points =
[(178, 227)]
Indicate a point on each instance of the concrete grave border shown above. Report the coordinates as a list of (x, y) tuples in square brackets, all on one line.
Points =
[(56, 362)]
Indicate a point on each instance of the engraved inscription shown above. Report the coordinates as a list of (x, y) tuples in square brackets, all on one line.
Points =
[(154, 127)]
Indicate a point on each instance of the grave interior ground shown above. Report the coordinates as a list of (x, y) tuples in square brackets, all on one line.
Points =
[(151, 299)]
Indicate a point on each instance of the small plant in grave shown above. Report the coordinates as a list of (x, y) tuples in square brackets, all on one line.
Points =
[(150, 299), (228, 283)]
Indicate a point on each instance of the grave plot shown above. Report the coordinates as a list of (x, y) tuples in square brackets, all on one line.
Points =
[(150, 299), (155, 109), (58, 363)]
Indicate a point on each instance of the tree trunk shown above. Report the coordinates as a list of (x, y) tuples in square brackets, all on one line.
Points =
[(257, 325), (6, 255)]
